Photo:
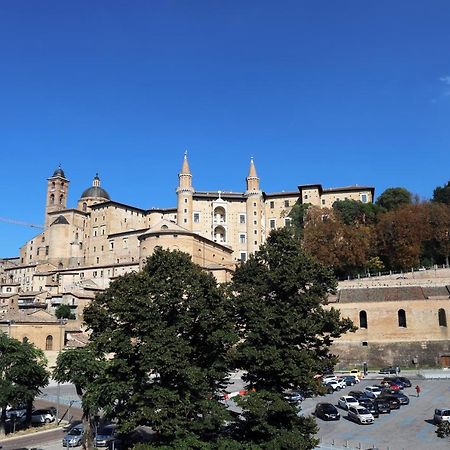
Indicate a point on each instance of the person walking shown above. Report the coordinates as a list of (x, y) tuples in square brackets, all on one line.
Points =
[(418, 390)]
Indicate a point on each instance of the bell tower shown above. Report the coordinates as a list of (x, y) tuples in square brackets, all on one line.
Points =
[(185, 192), (254, 209), (57, 191)]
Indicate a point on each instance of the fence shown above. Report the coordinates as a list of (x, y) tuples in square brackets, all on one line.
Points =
[(347, 445)]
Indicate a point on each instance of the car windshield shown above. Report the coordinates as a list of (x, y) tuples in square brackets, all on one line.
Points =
[(329, 408), (75, 432), (363, 411), (351, 399)]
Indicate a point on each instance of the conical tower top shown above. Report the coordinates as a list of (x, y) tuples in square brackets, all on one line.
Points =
[(185, 170), (252, 170)]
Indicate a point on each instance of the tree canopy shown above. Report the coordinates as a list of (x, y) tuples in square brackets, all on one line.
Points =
[(64, 312), (164, 336), (285, 337), (23, 374), (393, 198), (442, 194)]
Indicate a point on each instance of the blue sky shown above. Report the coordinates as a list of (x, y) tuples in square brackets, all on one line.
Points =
[(331, 92)]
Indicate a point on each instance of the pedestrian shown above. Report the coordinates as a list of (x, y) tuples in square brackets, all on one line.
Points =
[(397, 370), (418, 390)]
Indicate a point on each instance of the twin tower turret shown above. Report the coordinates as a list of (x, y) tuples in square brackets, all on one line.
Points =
[(252, 213)]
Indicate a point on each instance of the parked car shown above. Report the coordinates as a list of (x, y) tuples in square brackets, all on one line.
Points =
[(388, 370), (73, 437), (334, 384), (295, 397), (43, 416), (370, 406), (372, 391), (405, 381), (350, 380), (329, 378), (326, 411), (360, 414), (346, 401), (382, 406), (390, 384), (441, 415), (404, 399), (394, 402), (106, 436), (359, 395), (356, 373)]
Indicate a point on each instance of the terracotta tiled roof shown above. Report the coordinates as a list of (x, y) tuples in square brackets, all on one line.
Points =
[(382, 294)]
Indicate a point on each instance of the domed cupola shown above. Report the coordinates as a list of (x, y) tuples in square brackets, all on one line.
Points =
[(58, 173), (92, 195)]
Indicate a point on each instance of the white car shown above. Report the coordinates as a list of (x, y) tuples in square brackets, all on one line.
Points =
[(372, 391), (441, 415), (43, 416), (334, 384), (347, 401), (328, 378), (360, 414)]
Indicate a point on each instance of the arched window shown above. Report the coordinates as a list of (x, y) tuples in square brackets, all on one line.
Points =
[(442, 318), (49, 343), (60, 265), (362, 319), (84, 206), (401, 318), (61, 197), (220, 234), (220, 215), (52, 199)]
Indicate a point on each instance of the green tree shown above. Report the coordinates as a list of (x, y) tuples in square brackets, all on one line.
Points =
[(442, 194), (23, 374), (285, 338), (353, 212), (393, 198), (64, 312), (167, 332), (84, 367), (298, 216)]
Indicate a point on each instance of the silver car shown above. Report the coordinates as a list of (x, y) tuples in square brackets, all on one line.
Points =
[(73, 437)]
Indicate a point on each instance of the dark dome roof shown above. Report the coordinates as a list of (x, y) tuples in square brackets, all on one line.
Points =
[(59, 173), (95, 191)]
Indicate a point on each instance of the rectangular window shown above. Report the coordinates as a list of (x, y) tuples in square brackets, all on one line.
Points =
[(94, 274), (305, 196), (111, 245), (272, 205), (286, 203), (273, 224), (242, 238), (364, 198), (287, 222), (196, 217), (95, 231), (323, 201), (241, 218), (125, 243), (243, 256)]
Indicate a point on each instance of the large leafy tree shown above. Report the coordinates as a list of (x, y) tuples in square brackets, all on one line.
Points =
[(84, 367), (345, 248), (442, 194), (23, 374), (285, 338), (353, 212), (393, 198), (400, 237), (167, 333)]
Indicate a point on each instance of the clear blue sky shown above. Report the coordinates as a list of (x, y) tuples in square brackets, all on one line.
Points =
[(331, 92)]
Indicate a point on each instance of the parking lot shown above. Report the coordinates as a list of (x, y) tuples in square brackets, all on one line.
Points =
[(409, 428)]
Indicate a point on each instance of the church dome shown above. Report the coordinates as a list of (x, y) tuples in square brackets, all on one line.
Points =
[(59, 173), (95, 191)]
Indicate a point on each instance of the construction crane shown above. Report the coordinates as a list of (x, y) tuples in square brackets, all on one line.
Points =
[(19, 222)]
